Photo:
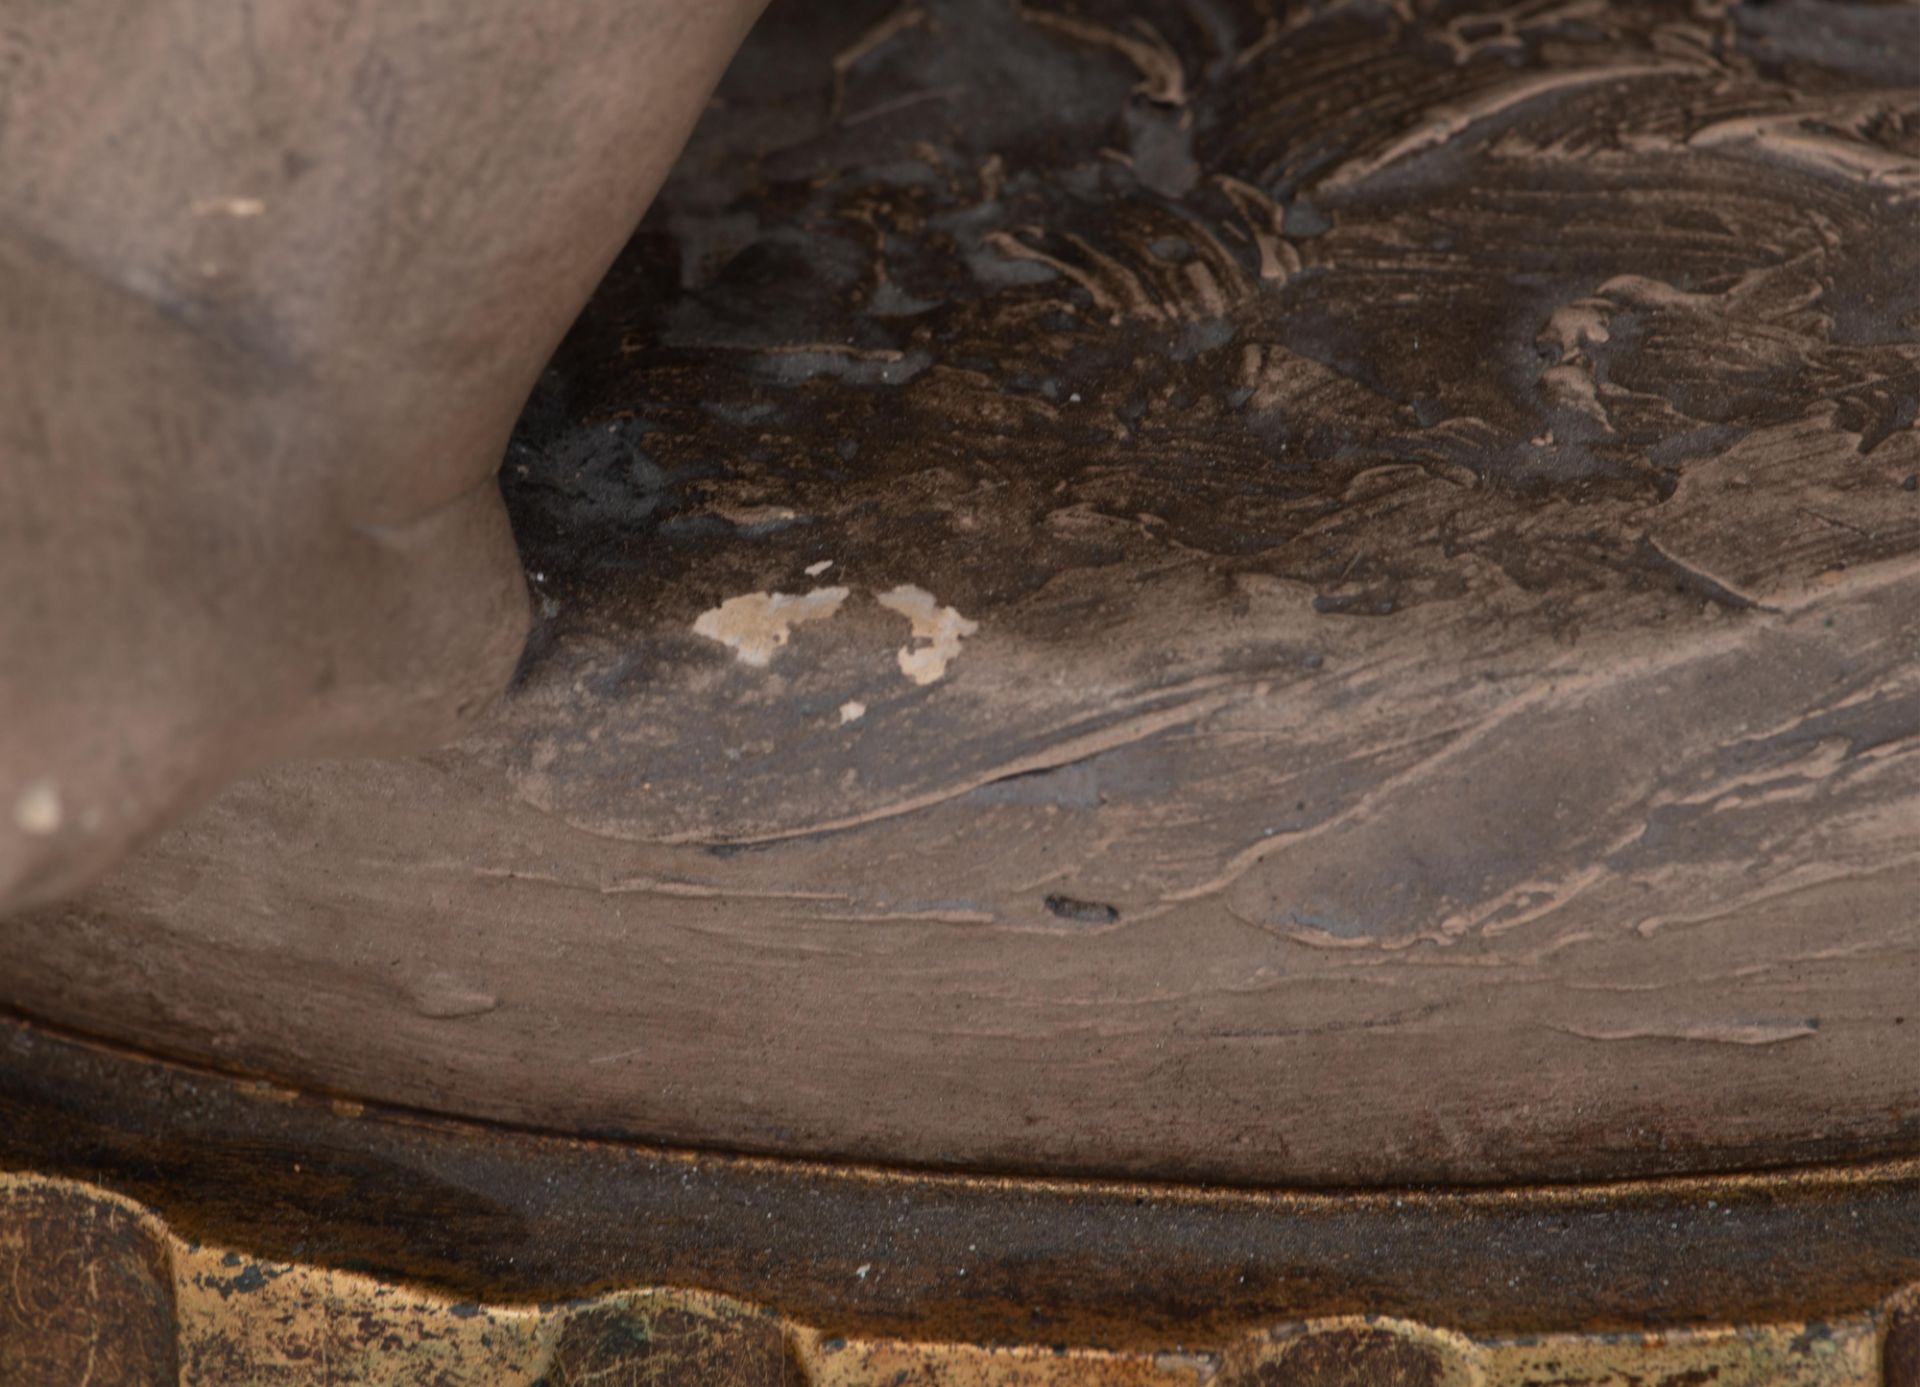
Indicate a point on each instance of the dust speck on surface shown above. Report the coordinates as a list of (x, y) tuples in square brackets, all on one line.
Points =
[(240, 207), (446, 996), (38, 810)]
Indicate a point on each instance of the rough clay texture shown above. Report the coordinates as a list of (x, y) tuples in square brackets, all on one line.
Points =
[(1417, 514)]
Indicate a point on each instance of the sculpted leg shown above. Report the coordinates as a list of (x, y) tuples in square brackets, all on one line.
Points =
[(274, 282)]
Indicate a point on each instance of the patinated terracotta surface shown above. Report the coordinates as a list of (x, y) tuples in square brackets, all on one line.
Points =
[(1315, 595)]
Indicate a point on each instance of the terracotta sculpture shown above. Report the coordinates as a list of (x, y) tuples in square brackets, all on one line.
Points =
[(1120, 595)]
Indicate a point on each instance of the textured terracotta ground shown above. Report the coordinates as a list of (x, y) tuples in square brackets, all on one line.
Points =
[(1361, 569)]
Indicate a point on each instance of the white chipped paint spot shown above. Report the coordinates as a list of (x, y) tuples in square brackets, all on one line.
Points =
[(38, 810), (756, 624), (941, 627), (814, 570), (852, 711)]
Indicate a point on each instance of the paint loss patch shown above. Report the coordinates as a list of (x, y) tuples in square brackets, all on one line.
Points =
[(756, 624), (942, 628)]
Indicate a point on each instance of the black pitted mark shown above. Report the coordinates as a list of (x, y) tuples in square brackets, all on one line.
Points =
[(1082, 912), (251, 1279)]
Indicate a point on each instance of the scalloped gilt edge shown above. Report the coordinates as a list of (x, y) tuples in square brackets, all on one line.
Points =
[(102, 1290)]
